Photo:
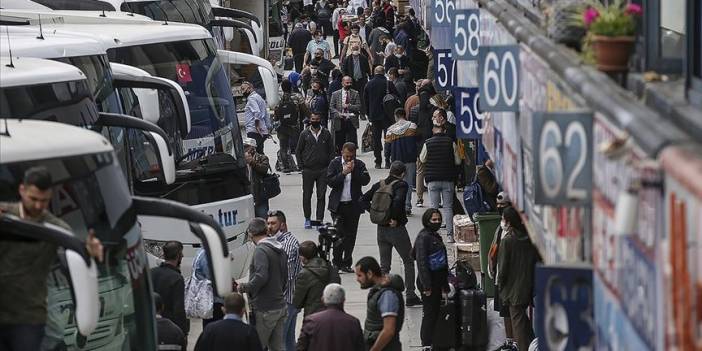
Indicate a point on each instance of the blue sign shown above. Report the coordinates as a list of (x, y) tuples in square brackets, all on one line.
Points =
[(498, 75), (442, 13), (562, 150), (564, 307), (466, 34), (444, 70), (469, 118)]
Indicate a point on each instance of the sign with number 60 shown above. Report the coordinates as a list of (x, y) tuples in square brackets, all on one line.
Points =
[(466, 34), (498, 75), (469, 119), (562, 144)]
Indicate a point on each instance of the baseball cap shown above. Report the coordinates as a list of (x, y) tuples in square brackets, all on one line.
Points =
[(502, 198)]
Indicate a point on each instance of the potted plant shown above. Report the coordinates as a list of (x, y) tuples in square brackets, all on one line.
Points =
[(611, 28)]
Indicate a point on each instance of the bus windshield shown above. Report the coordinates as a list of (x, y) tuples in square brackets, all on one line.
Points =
[(195, 66), (91, 193), (187, 11)]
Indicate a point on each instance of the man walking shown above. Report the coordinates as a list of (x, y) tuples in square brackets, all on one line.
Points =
[(258, 123), (346, 175), (387, 200), (440, 157), (402, 140), (357, 67), (290, 111), (317, 44), (315, 149), (257, 165), (268, 278), (375, 91), (316, 273), (331, 329), (170, 286), (278, 228), (385, 310), (230, 333), (298, 40), (345, 109)]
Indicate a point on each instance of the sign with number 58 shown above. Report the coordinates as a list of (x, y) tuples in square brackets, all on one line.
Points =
[(466, 34), (562, 143)]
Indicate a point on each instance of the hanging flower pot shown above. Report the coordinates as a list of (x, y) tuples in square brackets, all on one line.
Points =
[(612, 53)]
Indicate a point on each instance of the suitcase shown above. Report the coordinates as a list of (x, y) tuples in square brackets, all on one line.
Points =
[(286, 163), (446, 329), (464, 229), (474, 328)]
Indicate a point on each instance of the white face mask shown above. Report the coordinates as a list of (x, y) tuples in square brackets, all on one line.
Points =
[(356, 53), (398, 55), (313, 70), (504, 225)]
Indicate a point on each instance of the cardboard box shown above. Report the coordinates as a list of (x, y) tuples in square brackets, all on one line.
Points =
[(464, 230)]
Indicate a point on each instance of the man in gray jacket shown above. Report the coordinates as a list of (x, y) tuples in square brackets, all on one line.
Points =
[(268, 278)]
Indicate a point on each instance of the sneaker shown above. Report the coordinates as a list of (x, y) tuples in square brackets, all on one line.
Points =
[(387, 164), (408, 213), (450, 239), (419, 204), (308, 223), (412, 300)]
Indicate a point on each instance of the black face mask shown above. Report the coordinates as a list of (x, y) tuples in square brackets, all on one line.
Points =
[(247, 93), (319, 58), (315, 124), (434, 227)]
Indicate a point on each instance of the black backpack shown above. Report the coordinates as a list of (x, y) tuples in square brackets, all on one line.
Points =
[(467, 280), (287, 111), (390, 103)]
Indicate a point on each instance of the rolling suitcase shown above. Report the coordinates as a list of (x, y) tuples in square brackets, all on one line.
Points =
[(446, 329), (474, 326)]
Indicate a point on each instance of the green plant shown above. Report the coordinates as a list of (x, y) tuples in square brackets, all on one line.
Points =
[(616, 18)]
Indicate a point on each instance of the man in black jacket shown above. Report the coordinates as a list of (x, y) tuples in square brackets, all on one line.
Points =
[(394, 232), (170, 336), (231, 333), (169, 284), (357, 67), (375, 91), (346, 175), (315, 149), (298, 40)]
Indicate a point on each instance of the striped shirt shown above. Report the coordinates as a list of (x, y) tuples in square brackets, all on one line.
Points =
[(291, 247)]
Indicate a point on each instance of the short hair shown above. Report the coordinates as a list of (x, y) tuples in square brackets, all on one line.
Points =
[(158, 302), (369, 264), (400, 112), (318, 50), (246, 82), (397, 168), (38, 176), (383, 36), (234, 303), (334, 294), (355, 26), (317, 81), (308, 249), (286, 86), (172, 249), (278, 214), (411, 11), (315, 113), (394, 72), (317, 32), (379, 70), (350, 146), (257, 227)]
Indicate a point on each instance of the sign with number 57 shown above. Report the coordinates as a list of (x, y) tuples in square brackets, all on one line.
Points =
[(562, 143), (444, 69), (469, 119)]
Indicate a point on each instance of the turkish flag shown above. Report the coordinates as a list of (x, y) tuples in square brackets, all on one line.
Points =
[(183, 73)]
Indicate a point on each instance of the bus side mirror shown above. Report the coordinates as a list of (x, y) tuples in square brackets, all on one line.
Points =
[(84, 279), (165, 158)]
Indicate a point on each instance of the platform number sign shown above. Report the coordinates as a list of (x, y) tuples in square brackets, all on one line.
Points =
[(563, 158), (498, 77), (469, 118), (466, 34), (442, 13), (444, 69)]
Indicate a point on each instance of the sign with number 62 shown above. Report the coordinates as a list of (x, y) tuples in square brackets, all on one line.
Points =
[(562, 144)]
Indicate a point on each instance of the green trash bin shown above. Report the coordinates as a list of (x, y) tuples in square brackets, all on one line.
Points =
[(487, 225)]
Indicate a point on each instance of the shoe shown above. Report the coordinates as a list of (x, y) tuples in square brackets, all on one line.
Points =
[(378, 166), (347, 269), (450, 239), (408, 213), (419, 204), (412, 300), (308, 223), (387, 164)]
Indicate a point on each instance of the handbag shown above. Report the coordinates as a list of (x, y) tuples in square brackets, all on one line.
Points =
[(199, 298), (270, 185), (367, 139)]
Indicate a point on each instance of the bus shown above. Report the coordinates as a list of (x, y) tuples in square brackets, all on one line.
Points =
[(90, 192)]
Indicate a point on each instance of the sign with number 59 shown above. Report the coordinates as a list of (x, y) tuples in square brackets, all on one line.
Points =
[(562, 143), (498, 75), (469, 119)]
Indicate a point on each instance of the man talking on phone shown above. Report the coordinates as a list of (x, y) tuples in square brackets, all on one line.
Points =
[(346, 175)]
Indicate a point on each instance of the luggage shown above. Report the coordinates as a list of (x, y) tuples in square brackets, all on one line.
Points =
[(285, 163), (446, 329), (473, 199), (367, 139), (464, 230), (474, 328), (465, 276), (381, 203)]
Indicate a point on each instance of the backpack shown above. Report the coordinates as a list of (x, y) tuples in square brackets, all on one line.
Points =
[(382, 202), (390, 103), (287, 111), (465, 275), (473, 199)]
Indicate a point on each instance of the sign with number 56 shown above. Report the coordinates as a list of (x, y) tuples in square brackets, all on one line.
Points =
[(469, 119), (562, 143), (498, 75)]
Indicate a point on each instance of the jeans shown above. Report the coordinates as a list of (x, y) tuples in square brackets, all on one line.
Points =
[(420, 180), (441, 192), (289, 333), (260, 139), (521, 326), (21, 336), (411, 169), (310, 178), (261, 210), (347, 224), (397, 237), (270, 326)]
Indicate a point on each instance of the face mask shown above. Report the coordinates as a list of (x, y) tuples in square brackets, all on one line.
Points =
[(319, 58), (437, 124), (315, 124), (434, 226), (313, 70), (247, 93), (504, 225), (319, 40), (355, 53), (347, 87), (398, 55)]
